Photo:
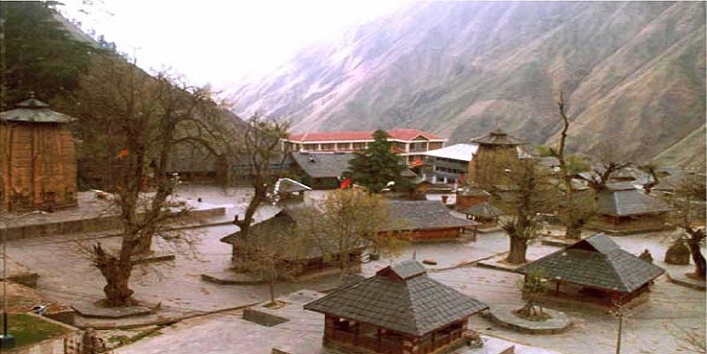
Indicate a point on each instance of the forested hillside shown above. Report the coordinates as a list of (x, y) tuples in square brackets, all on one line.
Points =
[(113, 100)]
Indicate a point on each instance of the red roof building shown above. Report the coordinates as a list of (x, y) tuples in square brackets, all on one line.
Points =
[(411, 143)]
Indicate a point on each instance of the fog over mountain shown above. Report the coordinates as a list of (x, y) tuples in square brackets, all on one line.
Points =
[(633, 74)]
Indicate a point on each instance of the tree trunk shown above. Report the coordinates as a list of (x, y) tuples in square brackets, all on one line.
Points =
[(144, 245), (271, 286), (696, 236), (573, 232), (518, 248), (260, 193), (117, 275)]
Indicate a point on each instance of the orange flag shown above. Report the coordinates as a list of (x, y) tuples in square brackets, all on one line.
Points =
[(123, 153)]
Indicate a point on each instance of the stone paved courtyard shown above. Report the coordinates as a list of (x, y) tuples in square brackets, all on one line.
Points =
[(66, 275)]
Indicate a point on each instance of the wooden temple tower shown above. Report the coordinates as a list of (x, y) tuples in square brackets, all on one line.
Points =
[(489, 165), (37, 158)]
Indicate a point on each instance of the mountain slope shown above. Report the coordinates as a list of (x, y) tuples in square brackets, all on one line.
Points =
[(632, 70)]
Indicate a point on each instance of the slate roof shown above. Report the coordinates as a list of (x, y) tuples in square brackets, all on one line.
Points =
[(406, 301), (395, 134), (484, 209), (469, 191), (34, 111), (281, 226), (421, 215), (596, 262), (498, 137), (322, 165), (625, 202)]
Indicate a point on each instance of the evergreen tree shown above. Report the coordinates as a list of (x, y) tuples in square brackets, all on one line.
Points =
[(377, 165), (38, 53)]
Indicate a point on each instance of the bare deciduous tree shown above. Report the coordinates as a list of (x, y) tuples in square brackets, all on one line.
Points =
[(575, 210), (348, 220), (689, 192), (532, 195), (263, 156), (132, 123)]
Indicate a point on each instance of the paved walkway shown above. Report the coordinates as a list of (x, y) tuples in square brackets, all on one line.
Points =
[(66, 275)]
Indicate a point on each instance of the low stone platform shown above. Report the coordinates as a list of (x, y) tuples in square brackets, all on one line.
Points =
[(503, 315), (152, 258), (95, 311), (92, 215), (267, 315), (228, 277), (680, 278), (27, 279)]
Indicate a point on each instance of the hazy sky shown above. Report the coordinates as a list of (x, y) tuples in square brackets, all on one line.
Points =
[(218, 41)]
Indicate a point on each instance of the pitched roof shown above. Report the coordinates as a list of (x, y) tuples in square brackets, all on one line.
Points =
[(323, 165), (395, 134), (472, 191), (624, 202), (280, 227), (460, 152), (498, 137), (287, 185), (34, 111), (597, 262), (484, 209), (409, 302), (422, 214)]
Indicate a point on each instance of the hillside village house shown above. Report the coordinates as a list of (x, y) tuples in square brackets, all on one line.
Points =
[(410, 143), (38, 158), (399, 310)]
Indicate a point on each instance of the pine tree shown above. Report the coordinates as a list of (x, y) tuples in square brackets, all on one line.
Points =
[(377, 166)]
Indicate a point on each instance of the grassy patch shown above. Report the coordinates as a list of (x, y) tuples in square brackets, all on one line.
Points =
[(28, 329)]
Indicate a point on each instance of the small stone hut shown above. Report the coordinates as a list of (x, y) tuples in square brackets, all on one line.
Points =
[(399, 310), (38, 158)]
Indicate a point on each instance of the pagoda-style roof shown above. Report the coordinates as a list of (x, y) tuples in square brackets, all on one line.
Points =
[(484, 210), (401, 298), (597, 262), (422, 215), (498, 138), (34, 111), (278, 234), (617, 201)]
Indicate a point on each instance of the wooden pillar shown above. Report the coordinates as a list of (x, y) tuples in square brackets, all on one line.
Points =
[(411, 345)]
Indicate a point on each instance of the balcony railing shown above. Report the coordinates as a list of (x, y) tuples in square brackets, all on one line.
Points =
[(379, 346)]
